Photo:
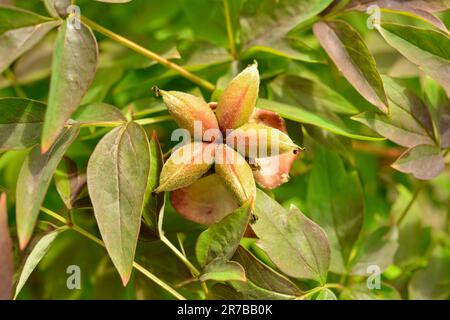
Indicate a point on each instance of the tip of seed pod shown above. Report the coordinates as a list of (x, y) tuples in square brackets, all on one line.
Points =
[(254, 64), (156, 91)]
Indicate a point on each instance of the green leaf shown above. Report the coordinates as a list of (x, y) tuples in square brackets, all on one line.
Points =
[(352, 57), (69, 182), (98, 112), (15, 18), (117, 176), (37, 253), (404, 98), (335, 201), (377, 248), (34, 180), (262, 276), (20, 123), (219, 270), (399, 127), (288, 47), (6, 253), (432, 282), (428, 49), (221, 291), (312, 94), (360, 291), (325, 294), (298, 114), (73, 69), (427, 5), (16, 42), (420, 8), (339, 144), (297, 245), (264, 21), (154, 204), (409, 122), (424, 162), (221, 240), (250, 291), (58, 8)]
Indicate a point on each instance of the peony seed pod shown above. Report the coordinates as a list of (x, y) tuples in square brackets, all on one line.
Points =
[(236, 173), (238, 101), (259, 141), (186, 165), (186, 109)]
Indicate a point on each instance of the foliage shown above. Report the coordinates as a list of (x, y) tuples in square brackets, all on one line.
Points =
[(356, 94)]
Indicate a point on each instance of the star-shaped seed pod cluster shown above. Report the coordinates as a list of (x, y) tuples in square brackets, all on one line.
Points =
[(232, 145)]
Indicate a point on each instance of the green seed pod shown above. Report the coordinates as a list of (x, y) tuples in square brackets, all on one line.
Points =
[(186, 109), (238, 101), (186, 165), (236, 173), (259, 141)]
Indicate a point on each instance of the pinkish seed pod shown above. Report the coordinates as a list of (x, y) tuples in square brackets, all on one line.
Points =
[(235, 172), (238, 101), (186, 165), (259, 141), (186, 109)]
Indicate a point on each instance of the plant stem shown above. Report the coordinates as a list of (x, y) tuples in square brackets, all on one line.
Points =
[(149, 54), (137, 266), (411, 202), (142, 122), (188, 264), (230, 32)]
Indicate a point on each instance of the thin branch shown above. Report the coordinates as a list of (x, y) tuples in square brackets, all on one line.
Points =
[(411, 202), (137, 266), (230, 32), (149, 54)]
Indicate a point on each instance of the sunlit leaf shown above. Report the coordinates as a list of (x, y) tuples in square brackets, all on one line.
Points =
[(34, 179), (73, 69), (98, 112), (117, 176), (21, 123), (423, 161), (352, 57), (266, 21), (37, 253), (298, 114), (297, 245), (15, 42), (426, 48), (312, 94)]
